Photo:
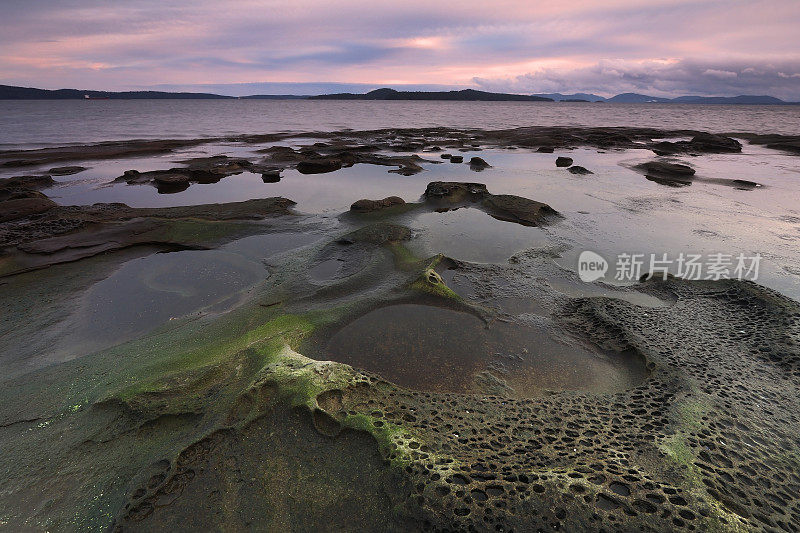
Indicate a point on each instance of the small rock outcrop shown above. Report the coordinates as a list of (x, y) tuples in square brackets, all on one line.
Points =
[(661, 168), (41, 181), (20, 198), (478, 163), (368, 206), (506, 207), (517, 209), (171, 183), (319, 166), (563, 161), (66, 171), (701, 143), (454, 192), (271, 176), (24, 207)]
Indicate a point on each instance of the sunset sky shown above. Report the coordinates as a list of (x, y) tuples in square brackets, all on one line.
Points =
[(659, 47)]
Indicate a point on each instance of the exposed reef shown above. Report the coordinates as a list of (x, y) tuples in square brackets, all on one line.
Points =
[(700, 143), (786, 143), (59, 234), (224, 422), (353, 147)]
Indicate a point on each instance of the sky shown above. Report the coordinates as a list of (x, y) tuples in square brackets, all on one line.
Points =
[(656, 47)]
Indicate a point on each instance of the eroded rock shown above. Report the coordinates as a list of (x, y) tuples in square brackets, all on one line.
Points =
[(367, 206), (664, 169), (171, 183), (65, 233), (506, 207), (319, 166), (35, 182), (478, 163), (702, 143), (14, 209), (455, 192), (517, 209)]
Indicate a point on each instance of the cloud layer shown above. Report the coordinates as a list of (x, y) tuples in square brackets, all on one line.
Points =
[(666, 47), (660, 78)]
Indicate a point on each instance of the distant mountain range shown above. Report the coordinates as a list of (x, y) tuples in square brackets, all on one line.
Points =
[(10, 92), (576, 97), (464, 95), (633, 98)]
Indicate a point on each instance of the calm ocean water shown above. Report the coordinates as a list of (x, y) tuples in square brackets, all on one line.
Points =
[(34, 123)]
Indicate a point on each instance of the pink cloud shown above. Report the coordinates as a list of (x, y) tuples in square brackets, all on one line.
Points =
[(92, 43)]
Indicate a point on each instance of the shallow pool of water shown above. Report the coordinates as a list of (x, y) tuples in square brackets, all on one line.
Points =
[(151, 291), (430, 348), (470, 234)]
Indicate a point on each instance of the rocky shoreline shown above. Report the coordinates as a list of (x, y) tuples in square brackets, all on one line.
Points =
[(493, 400)]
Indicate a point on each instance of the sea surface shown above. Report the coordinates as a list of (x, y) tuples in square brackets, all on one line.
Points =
[(36, 123)]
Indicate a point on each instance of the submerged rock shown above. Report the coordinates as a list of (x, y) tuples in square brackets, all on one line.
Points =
[(577, 169), (673, 181), (746, 184), (66, 171), (380, 233), (366, 206), (563, 161)]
